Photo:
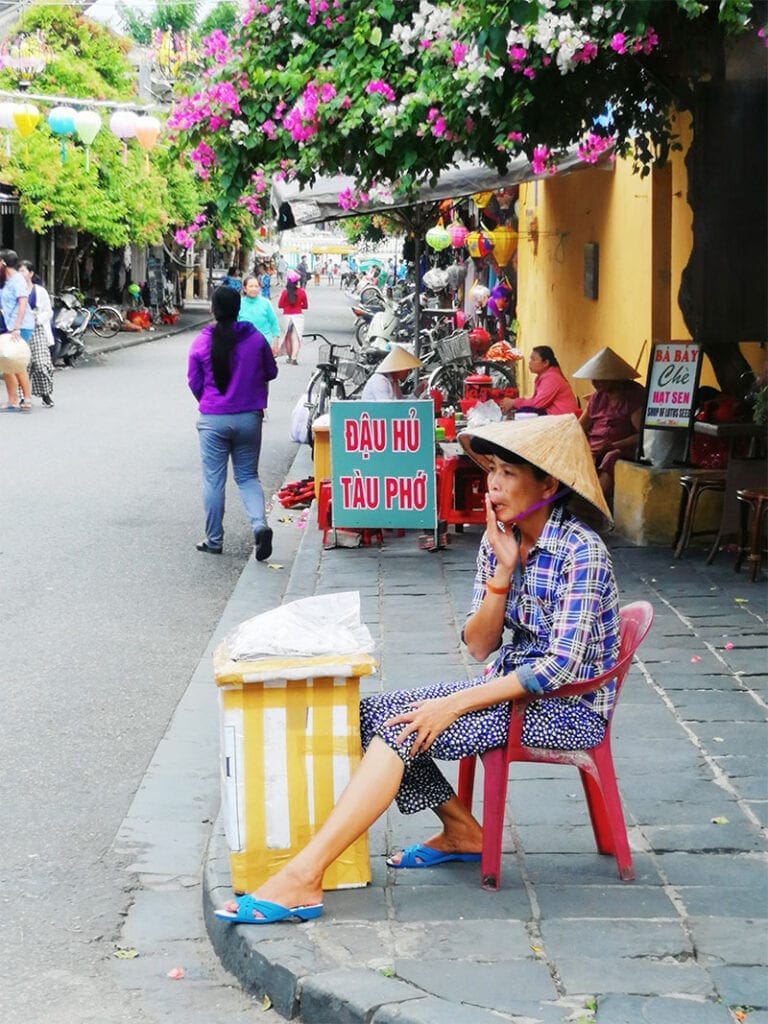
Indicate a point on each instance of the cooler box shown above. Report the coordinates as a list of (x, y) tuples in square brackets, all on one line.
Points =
[(321, 450), (290, 739)]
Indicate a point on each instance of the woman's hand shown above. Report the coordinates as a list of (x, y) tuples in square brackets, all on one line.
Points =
[(426, 720), (505, 547)]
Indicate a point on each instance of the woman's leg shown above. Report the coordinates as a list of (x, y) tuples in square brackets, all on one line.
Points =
[(12, 387), (213, 433), (367, 795), (246, 449)]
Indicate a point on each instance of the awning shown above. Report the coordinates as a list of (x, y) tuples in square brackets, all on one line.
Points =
[(320, 202), (337, 249)]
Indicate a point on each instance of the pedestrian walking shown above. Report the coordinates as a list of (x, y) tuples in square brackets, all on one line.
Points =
[(545, 580), (41, 366), (20, 323), (293, 302), (229, 368), (258, 311)]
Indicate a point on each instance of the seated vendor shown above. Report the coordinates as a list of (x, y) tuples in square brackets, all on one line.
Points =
[(384, 385), (614, 413), (552, 394)]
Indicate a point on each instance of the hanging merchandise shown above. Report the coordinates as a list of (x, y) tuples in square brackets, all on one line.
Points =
[(87, 126), (437, 238), (7, 123), (482, 199), (61, 121), (123, 125), (484, 244), (472, 243), (25, 118), (458, 234), (504, 244)]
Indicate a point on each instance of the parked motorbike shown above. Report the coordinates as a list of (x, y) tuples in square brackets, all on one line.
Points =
[(70, 322), (393, 324)]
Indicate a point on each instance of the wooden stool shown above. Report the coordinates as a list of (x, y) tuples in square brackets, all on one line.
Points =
[(752, 521), (694, 485)]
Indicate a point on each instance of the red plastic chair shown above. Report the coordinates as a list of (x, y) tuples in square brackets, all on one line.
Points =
[(595, 765)]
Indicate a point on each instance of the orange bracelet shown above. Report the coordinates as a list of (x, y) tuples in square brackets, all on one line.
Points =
[(502, 592)]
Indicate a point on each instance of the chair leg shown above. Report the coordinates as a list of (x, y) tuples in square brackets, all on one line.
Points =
[(496, 768), (466, 785), (613, 813), (597, 812)]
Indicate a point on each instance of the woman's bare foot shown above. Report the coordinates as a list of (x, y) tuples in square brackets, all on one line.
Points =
[(469, 840), (287, 889)]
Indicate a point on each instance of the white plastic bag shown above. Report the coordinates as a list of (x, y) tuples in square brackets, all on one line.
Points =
[(300, 432), (326, 624), (482, 413)]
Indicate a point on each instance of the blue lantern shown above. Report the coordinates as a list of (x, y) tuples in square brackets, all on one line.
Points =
[(61, 121)]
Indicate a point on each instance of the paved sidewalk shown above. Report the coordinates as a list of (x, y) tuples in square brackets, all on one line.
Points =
[(564, 939), (196, 313)]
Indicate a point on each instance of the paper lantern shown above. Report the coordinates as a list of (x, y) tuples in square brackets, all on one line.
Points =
[(25, 118), (458, 234), (482, 199), (484, 244), (471, 242), (7, 122), (437, 238), (61, 121), (87, 126), (504, 244), (147, 130), (123, 125)]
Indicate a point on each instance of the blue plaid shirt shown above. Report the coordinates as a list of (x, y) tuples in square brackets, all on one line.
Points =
[(562, 613)]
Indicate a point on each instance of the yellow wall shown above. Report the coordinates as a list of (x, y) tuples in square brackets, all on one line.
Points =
[(643, 230)]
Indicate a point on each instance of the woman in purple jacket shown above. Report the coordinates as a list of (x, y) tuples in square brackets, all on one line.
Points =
[(230, 364)]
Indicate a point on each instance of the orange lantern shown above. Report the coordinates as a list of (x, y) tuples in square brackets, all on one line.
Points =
[(147, 130), (504, 244)]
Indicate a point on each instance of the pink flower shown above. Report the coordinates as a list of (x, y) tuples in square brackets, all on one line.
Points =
[(592, 146), (587, 53), (650, 40), (529, 73), (542, 157), (619, 43), (458, 52), (515, 136), (438, 128), (377, 85), (518, 52)]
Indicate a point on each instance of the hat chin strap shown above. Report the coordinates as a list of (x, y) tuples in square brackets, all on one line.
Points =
[(540, 504)]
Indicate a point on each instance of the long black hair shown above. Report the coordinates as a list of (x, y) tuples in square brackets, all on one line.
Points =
[(225, 306), (545, 352)]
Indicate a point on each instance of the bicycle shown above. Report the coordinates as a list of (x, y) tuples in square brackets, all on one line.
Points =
[(457, 361), (335, 377), (106, 321)]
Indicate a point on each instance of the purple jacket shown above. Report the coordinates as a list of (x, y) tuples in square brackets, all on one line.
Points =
[(253, 365)]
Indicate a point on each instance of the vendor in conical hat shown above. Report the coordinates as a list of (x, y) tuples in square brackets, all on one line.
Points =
[(384, 385), (544, 609), (614, 413)]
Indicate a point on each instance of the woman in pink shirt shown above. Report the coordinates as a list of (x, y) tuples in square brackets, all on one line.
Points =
[(552, 393), (293, 302)]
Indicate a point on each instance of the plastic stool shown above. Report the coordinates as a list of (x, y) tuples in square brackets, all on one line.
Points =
[(694, 485)]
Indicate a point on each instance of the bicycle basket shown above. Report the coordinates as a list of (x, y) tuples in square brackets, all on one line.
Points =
[(454, 348), (326, 353), (350, 370)]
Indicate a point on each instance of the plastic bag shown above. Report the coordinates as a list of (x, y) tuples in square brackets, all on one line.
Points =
[(482, 413), (15, 354), (326, 624), (300, 426)]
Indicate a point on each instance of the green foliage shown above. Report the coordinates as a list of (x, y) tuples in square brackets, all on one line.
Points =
[(222, 16), (393, 93), (116, 204), (179, 17)]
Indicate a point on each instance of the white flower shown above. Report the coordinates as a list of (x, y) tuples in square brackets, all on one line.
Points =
[(238, 128)]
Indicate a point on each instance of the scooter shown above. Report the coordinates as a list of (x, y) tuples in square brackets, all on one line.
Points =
[(70, 322), (394, 324)]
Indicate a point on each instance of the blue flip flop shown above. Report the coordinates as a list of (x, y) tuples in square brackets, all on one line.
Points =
[(419, 856), (272, 912)]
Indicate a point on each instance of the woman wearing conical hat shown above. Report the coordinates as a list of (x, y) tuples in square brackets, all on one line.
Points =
[(614, 413), (544, 611), (384, 385)]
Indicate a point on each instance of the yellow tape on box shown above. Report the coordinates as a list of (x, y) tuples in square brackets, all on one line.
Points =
[(290, 739)]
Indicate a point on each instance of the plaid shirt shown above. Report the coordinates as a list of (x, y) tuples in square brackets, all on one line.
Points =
[(562, 612)]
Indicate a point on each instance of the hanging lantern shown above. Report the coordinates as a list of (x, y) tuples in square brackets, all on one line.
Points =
[(458, 234), (484, 244), (504, 244), (437, 238), (61, 121), (482, 199), (122, 124), (87, 126), (471, 242), (25, 118), (7, 123), (147, 130)]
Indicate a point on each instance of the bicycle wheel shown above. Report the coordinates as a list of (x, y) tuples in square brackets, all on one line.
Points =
[(449, 380), (500, 373), (106, 321)]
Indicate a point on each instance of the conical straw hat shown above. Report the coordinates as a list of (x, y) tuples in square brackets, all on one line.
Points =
[(398, 359), (606, 365), (556, 444)]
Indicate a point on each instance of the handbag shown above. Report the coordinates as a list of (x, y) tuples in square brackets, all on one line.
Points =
[(15, 354)]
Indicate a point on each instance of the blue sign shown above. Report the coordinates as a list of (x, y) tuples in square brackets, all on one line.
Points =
[(383, 464)]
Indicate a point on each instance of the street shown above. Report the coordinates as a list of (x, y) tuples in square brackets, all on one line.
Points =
[(108, 609)]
